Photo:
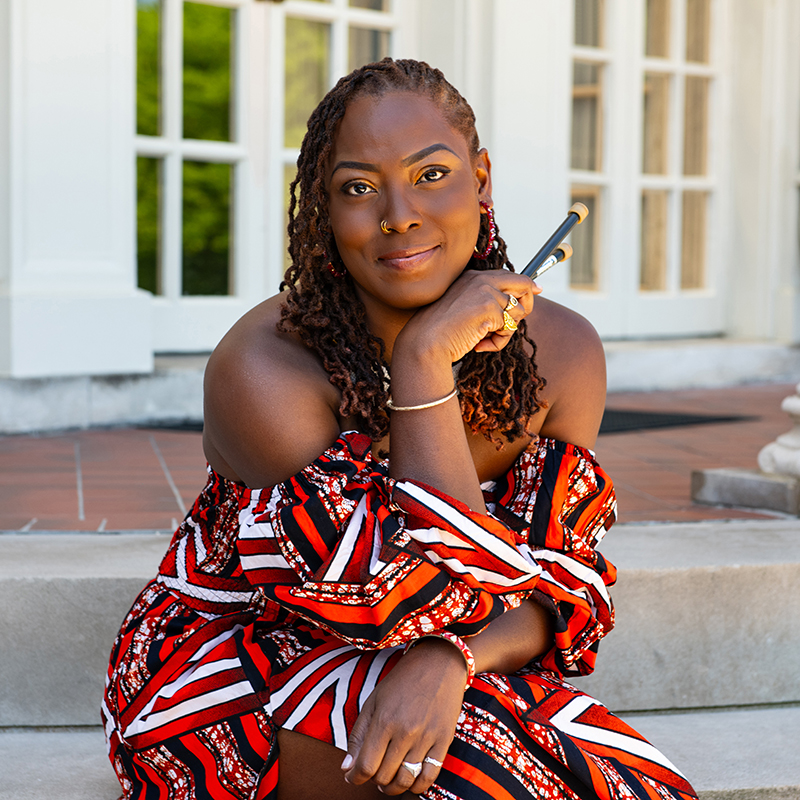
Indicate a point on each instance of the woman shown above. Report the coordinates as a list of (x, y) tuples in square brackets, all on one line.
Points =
[(417, 612)]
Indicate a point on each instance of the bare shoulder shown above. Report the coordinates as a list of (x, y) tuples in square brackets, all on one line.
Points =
[(269, 409), (571, 358)]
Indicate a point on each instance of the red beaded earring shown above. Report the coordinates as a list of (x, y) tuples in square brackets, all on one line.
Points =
[(484, 254), (337, 272)]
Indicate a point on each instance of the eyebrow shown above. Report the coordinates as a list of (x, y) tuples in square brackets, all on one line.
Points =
[(406, 162)]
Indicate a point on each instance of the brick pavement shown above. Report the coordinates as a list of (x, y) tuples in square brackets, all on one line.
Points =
[(137, 479)]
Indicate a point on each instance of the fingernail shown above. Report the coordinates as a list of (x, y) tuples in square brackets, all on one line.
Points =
[(348, 761)]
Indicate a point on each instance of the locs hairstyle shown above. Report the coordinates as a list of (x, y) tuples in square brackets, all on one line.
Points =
[(498, 391)]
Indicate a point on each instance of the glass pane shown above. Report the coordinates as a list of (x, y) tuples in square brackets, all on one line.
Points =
[(148, 224), (695, 126), (656, 114), (367, 46), (693, 244), (207, 72), (583, 266), (586, 116), (206, 228), (375, 5), (653, 267), (656, 36), (148, 67), (698, 30), (589, 22), (307, 74)]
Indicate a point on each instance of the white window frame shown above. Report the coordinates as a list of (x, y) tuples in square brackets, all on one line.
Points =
[(257, 157), (598, 179), (196, 323), (617, 307), (339, 15)]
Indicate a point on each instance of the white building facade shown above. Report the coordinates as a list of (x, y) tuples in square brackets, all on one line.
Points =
[(130, 225)]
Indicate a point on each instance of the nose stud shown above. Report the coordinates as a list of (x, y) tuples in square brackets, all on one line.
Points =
[(385, 226)]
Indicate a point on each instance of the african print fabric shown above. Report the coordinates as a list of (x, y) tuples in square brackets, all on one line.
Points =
[(284, 607)]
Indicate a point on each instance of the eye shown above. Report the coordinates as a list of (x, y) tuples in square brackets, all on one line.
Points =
[(433, 175), (357, 188)]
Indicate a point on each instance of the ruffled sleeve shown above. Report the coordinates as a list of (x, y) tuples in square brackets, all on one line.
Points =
[(376, 562), (380, 562), (560, 502)]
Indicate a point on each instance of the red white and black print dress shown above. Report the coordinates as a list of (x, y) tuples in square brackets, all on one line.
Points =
[(284, 607)]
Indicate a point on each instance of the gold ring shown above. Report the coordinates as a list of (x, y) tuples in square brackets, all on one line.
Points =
[(385, 226), (508, 322), (512, 301)]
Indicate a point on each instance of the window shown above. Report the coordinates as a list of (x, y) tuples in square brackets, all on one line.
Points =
[(588, 178), (676, 183), (188, 156), (324, 40)]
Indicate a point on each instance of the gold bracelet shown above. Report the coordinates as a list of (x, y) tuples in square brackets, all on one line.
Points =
[(392, 407)]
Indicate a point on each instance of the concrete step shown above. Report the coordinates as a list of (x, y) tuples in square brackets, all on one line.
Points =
[(731, 754), (64, 597), (727, 755), (48, 764), (708, 615)]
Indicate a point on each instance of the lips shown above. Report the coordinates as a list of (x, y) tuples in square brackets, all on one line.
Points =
[(408, 258)]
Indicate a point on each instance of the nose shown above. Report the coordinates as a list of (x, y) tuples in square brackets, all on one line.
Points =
[(400, 212)]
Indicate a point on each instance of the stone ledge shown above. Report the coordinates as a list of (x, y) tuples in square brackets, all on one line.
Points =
[(69, 765), (173, 392), (746, 488), (731, 754), (694, 603), (635, 366)]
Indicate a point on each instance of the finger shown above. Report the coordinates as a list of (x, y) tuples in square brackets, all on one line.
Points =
[(392, 775), (431, 767), (406, 776), (520, 286), (364, 749)]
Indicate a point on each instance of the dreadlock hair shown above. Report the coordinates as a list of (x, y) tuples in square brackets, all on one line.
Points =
[(498, 391)]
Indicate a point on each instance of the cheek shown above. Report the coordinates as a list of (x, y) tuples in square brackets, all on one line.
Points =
[(468, 228), (349, 232)]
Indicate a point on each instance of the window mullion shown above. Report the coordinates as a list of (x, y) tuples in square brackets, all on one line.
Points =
[(172, 77), (677, 154), (339, 43)]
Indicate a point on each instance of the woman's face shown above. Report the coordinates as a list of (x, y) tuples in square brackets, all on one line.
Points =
[(396, 158)]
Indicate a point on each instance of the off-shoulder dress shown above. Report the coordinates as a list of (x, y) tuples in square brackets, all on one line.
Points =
[(284, 607)]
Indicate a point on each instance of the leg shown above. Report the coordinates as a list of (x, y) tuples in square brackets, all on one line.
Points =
[(309, 770)]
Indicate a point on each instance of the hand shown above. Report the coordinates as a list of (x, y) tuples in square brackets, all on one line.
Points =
[(411, 715), (469, 316)]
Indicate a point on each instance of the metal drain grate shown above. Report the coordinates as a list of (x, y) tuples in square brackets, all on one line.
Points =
[(623, 420)]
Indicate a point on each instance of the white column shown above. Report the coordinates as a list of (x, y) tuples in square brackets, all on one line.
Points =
[(528, 129), (762, 170), (68, 298)]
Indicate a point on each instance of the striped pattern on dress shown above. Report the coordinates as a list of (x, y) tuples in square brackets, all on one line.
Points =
[(284, 607)]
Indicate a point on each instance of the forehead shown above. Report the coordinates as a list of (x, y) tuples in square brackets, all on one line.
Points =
[(392, 125)]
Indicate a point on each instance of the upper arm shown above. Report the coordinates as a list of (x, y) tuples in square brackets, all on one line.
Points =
[(571, 358), (268, 409)]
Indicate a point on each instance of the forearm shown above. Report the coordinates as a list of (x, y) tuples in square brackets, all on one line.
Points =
[(430, 445), (506, 645), (513, 639)]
